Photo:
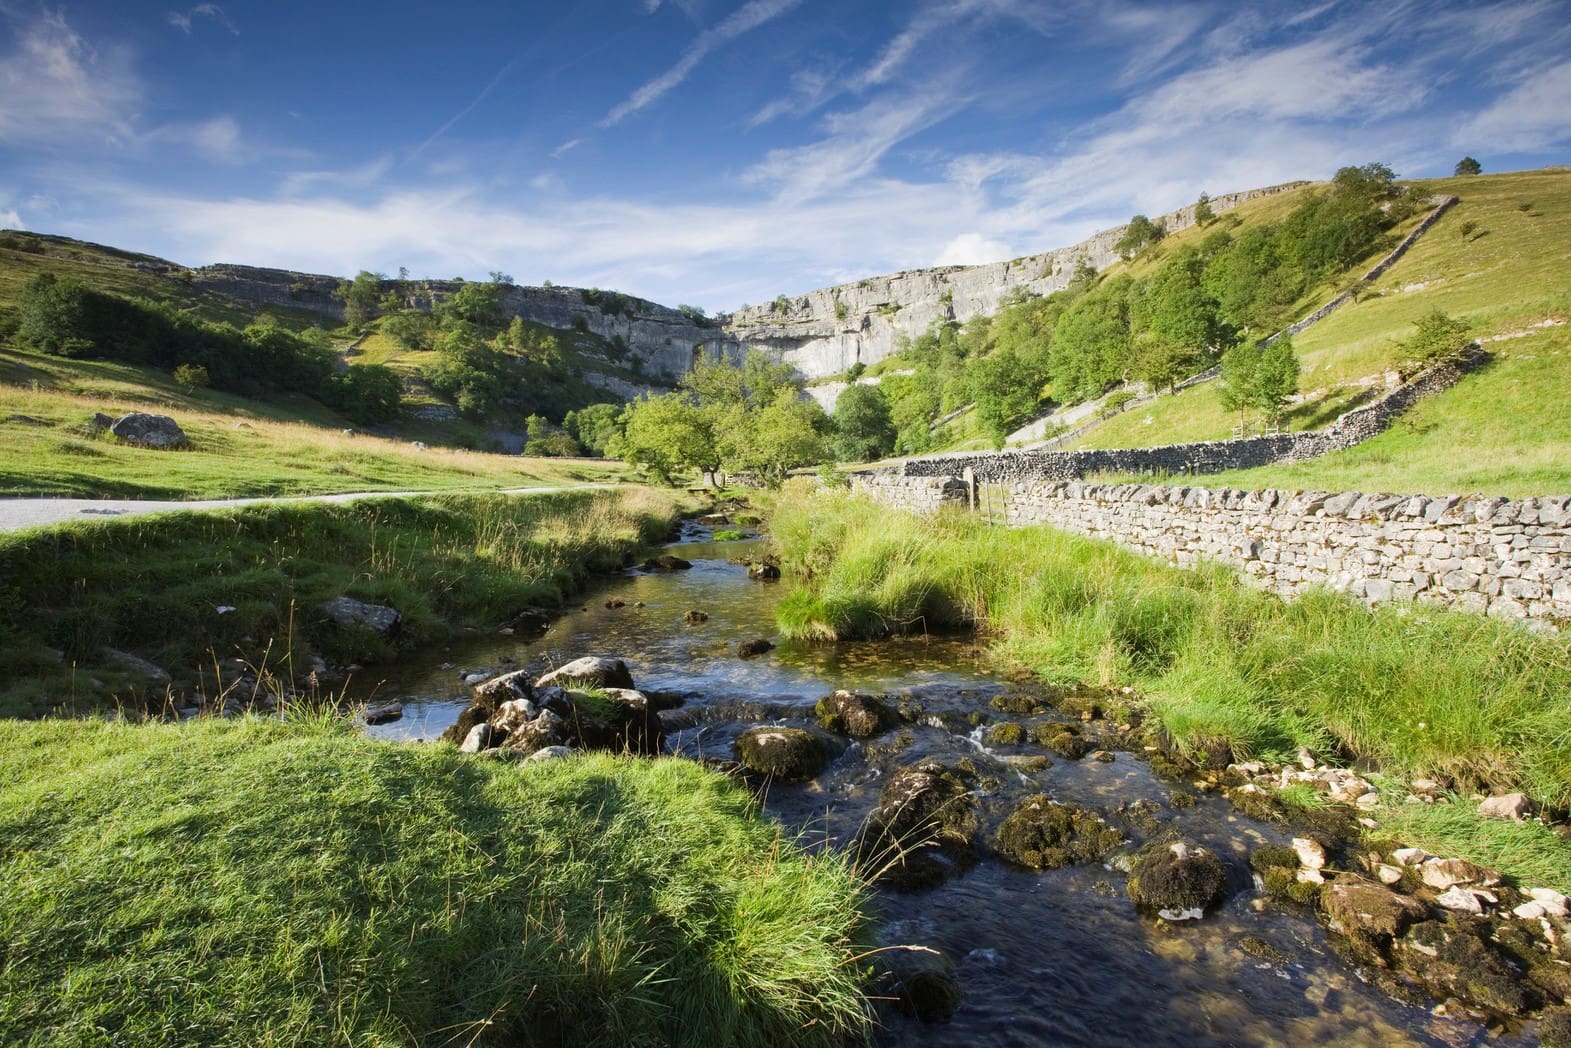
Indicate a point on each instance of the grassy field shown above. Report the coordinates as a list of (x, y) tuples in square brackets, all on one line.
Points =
[(1500, 430), (1414, 690), (152, 585), (238, 447), (261, 882)]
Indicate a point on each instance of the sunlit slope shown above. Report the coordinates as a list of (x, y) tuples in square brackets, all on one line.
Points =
[(1501, 261)]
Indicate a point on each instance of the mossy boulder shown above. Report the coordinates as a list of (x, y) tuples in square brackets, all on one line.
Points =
[(850, 713), (924, 829), (786, 754), (1005, 733), (1046, 836), (1368, 911), (1062, 738), (1176, 880), (621, 720), (1455, 958)]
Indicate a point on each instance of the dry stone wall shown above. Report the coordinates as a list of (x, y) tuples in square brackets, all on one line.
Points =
[(1502, 557), (1210, 456)]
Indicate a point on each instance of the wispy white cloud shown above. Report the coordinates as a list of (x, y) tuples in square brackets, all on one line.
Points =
[(854, 143), (749, 16), (810, 88), (562, 150), (182, 20), (1535, 115), (11, 218), (970, 249), (55, 88), (300, 183), (218, 139), (470, 108)]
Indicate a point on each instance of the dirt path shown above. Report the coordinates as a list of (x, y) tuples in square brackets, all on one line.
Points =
[(17, 514)]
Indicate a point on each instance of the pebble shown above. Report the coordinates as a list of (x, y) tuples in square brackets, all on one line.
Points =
[(1310, 853)]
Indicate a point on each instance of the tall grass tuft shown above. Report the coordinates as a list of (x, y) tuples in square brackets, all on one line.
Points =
[(152, 585), (1417, 690), (267, 882)]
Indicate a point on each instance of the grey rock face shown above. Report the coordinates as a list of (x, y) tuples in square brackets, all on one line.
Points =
[(595, 670), (346, 611), (149, 431)]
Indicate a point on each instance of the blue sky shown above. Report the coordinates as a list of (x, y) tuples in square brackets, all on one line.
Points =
[(717, 152)]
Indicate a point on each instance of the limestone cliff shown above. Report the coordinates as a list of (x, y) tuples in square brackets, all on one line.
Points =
[(827, 331)]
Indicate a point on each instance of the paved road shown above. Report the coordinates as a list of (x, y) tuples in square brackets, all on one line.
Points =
[(19, 513)]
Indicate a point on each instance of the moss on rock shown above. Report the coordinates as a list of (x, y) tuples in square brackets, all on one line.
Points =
[(787, 754), (857, 715), (924, 828), (1173, 878), (1005, 733), (1046, 836)]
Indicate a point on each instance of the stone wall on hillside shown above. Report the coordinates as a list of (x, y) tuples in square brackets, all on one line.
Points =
[(1502, 557), (825, 332), (1211, 456)]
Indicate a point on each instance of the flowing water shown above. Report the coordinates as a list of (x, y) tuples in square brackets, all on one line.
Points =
[(1049, 958)]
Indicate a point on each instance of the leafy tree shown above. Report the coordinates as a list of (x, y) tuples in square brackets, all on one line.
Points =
[(1259, 378), (863, 429), (785, 435), (665, 433), (1468, 166), (547, 440), (361, 297), (54, 316), (477, 304), (1438, 338), (1204, 215), (1276, 378), (412, 329), (191, 377), (366, 393), (1139, 234), (1005, 392), (1236, 388), (595, 426)]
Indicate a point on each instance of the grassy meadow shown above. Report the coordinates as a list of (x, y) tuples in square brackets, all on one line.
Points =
[(151, 585), (263, 882), (239, 447)]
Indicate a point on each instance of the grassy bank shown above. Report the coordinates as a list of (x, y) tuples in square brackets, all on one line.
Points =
[(1415, 690), (239, 447), (154, 585), (262, 882)]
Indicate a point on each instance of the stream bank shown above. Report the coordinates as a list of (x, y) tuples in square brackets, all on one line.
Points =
[(1059, 956)]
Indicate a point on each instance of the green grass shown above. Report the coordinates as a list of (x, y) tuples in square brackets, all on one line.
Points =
[(114, 271), (151, 585), (1500, 431), (1416, 690), (238, 447), (1533, 853), (268, 883)]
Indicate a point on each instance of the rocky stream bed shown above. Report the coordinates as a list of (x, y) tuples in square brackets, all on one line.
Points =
[(1047, 873)]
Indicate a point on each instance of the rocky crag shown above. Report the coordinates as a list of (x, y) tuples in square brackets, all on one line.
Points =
[(826, 332), (665, 341)]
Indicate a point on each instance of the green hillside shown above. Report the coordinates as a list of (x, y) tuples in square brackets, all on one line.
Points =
[(1499, 262)]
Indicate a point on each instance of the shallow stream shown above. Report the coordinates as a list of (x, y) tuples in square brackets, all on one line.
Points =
[(1050, 958)]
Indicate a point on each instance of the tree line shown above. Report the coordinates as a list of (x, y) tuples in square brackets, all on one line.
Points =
[(64, 317), (1179, 317)]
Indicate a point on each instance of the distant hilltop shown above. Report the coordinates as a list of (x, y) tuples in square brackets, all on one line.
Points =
[(826, 332), (821, 333)]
